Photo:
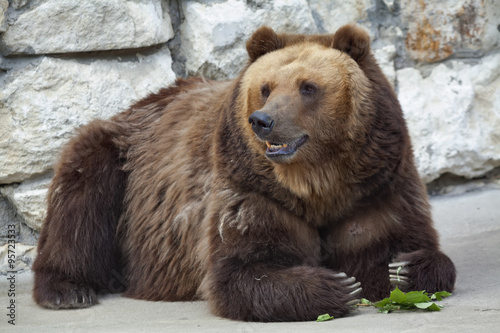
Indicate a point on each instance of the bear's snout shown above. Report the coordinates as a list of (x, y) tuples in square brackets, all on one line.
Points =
[(262, 123)]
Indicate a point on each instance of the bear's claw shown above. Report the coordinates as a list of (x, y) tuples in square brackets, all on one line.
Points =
[(355, 286), (397, 264), (356, 293), (353, 302), (340, 275), (350, 280), (397, 273), (350, 283)]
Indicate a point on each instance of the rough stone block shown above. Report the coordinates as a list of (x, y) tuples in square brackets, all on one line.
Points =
[(43, 103), (29, 199), (453, 117), (331, 15), (438, 29), (213, 35), (25, 255), (64, 26), (4, 4)]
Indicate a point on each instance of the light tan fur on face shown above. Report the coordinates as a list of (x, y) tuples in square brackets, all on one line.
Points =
[(338, 122)]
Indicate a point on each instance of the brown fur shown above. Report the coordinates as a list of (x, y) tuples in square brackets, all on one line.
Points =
[(176, 199)]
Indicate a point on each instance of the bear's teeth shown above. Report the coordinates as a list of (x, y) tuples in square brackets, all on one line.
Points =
[(271, 146)]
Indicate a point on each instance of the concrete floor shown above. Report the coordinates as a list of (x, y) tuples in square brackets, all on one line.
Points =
[(469, 225)]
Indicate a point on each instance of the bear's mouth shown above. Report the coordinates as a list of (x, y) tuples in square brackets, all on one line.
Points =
[(284, 149)]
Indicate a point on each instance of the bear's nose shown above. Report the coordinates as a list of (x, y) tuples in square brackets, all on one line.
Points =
[(262, 123)]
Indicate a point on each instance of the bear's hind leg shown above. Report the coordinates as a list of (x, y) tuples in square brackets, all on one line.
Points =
[(76, 249)]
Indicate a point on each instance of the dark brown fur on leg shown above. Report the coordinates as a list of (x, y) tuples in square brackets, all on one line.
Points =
[(76, 250), (260, 292), (269, 271)]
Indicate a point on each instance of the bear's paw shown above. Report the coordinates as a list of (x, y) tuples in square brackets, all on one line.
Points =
[(427, 270), (65, 295)]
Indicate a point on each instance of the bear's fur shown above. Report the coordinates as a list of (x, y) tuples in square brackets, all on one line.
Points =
[(191, 193)]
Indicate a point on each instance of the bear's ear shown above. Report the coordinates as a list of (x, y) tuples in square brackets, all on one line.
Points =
[(352, 40), (263, 41)]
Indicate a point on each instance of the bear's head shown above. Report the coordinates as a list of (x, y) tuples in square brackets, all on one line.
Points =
[(319, 111), (305, 98)]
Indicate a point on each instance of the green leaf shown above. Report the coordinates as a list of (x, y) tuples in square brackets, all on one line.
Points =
[(416, 297), (440, 295), (324, 317), (382, 303), (423, 305), (387, 308), (434, 307), (407, 307), (365, 301), (398, 296)]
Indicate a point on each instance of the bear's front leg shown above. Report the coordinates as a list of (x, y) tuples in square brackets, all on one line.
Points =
[(265, 292), (76, 248), (264, 266), (426, 270)]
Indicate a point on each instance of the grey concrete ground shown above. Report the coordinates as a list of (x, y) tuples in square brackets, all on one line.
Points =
[(469, 225)]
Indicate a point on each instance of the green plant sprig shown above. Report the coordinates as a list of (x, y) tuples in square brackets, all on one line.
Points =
[(398, 300), (412, 300)]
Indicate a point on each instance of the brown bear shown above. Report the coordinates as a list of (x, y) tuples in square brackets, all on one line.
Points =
[(269, 196)]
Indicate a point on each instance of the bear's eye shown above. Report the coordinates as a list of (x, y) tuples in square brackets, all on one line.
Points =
[(265, 91), (308, 89)]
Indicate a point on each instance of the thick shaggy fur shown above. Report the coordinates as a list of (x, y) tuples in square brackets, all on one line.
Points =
[(176, 199)]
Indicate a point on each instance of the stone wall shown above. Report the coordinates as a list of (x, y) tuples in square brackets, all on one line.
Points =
[(66, 62)]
